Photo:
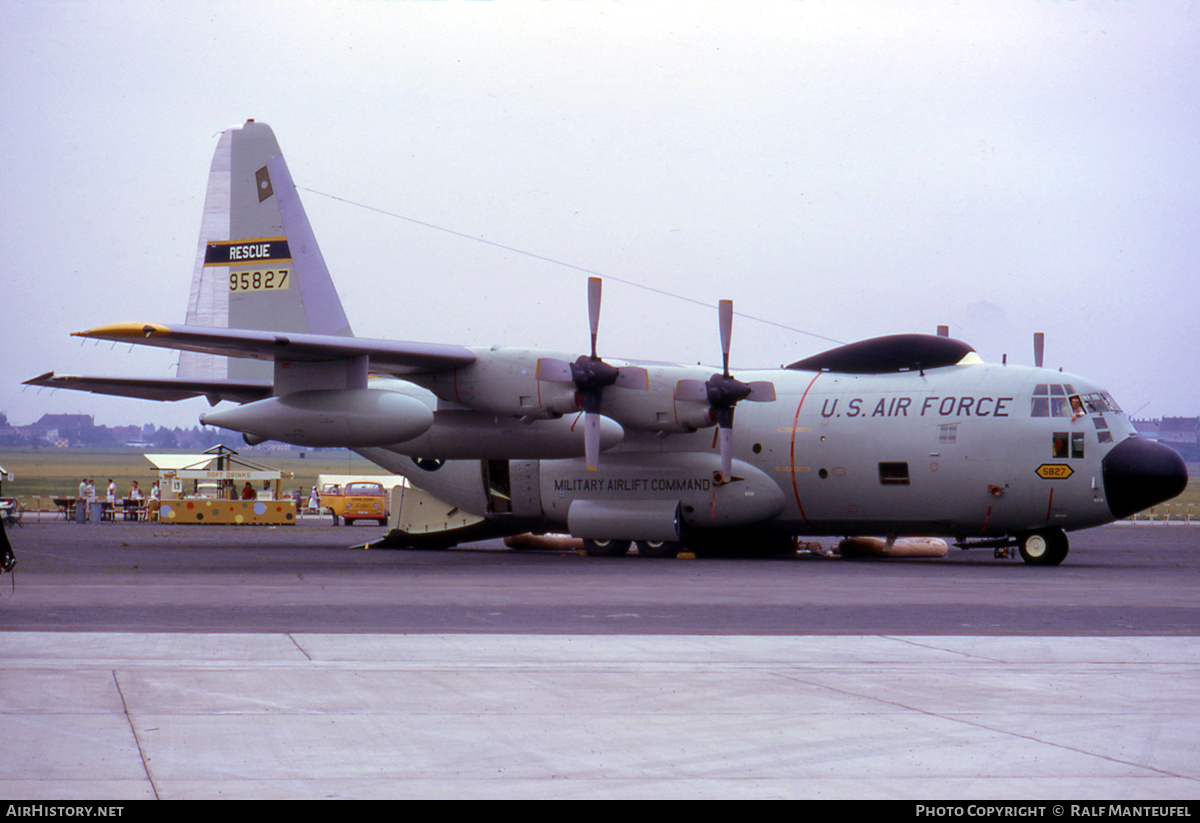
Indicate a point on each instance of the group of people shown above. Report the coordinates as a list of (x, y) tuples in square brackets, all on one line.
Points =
[(87, 493)]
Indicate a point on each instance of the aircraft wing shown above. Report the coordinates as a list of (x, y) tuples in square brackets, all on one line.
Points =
[(161, 388), (398, 358)]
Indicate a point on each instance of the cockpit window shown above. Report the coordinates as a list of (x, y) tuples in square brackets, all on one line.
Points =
[(1051, 400), (1061, 400), (1100, 402)]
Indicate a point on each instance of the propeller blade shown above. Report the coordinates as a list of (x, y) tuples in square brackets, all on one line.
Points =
[(553, 370), (726, 442), (1039, 348), (761, 391), (725, 313), (691, 391), (594, 287)]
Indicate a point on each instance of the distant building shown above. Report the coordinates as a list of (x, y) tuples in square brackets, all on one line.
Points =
[(1180, 433), (127, 435), (74, 428), (1179, 430)]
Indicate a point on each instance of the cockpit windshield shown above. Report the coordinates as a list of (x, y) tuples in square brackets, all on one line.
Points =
[(1098, 402), (1062, 400)]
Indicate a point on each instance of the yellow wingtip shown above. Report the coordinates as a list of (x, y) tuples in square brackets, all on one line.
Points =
[(119, 331)]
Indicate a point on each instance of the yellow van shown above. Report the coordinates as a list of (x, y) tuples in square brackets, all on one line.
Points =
[(357, 500)]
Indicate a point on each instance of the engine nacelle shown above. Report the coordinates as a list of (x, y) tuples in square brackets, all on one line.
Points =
[(328, 417), (503, 382), (656, 408), (466, 435)]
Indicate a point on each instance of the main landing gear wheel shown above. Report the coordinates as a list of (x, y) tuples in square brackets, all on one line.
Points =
[(658, 548), (1043, 548), (606, 548)]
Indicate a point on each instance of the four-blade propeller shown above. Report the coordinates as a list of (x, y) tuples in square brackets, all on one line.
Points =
[(591, 376), (723, 392)]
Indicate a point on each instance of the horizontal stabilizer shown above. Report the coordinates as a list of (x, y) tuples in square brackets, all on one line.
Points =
[(158, 388), (386, 356)]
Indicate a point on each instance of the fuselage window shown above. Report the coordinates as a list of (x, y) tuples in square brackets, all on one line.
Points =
[(1103, 435), (1068, 444), (1077, 444), (1061, 441), (893, 474)]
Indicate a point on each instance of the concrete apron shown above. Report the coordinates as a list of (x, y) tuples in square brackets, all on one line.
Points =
[(126, 716)]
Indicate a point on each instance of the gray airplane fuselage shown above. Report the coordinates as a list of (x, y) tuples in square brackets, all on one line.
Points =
[(974, 450)]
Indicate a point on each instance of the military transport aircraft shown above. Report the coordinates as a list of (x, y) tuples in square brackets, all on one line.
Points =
[(901, 435)]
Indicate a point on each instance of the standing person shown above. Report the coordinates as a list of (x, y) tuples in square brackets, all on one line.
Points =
[(314, 501), (135, 494), (110, 494), (89, 495), (248, 492)]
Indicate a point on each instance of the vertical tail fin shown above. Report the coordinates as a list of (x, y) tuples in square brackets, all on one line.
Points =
[(258, 265)]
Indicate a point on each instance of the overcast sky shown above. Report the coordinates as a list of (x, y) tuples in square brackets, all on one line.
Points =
[(846, 169)]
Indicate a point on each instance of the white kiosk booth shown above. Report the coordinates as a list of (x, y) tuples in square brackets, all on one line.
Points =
[(212, 488)]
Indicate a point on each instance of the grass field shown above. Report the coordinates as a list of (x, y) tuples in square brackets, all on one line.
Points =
[(50, 472)]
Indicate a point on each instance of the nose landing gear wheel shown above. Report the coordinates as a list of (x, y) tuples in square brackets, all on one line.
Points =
[(1043, 548)]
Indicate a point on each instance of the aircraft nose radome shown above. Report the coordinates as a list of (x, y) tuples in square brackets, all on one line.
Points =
[(1139, 473)]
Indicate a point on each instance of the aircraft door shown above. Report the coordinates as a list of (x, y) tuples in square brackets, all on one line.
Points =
[(987, 481), (511, 487), (497, 486)]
